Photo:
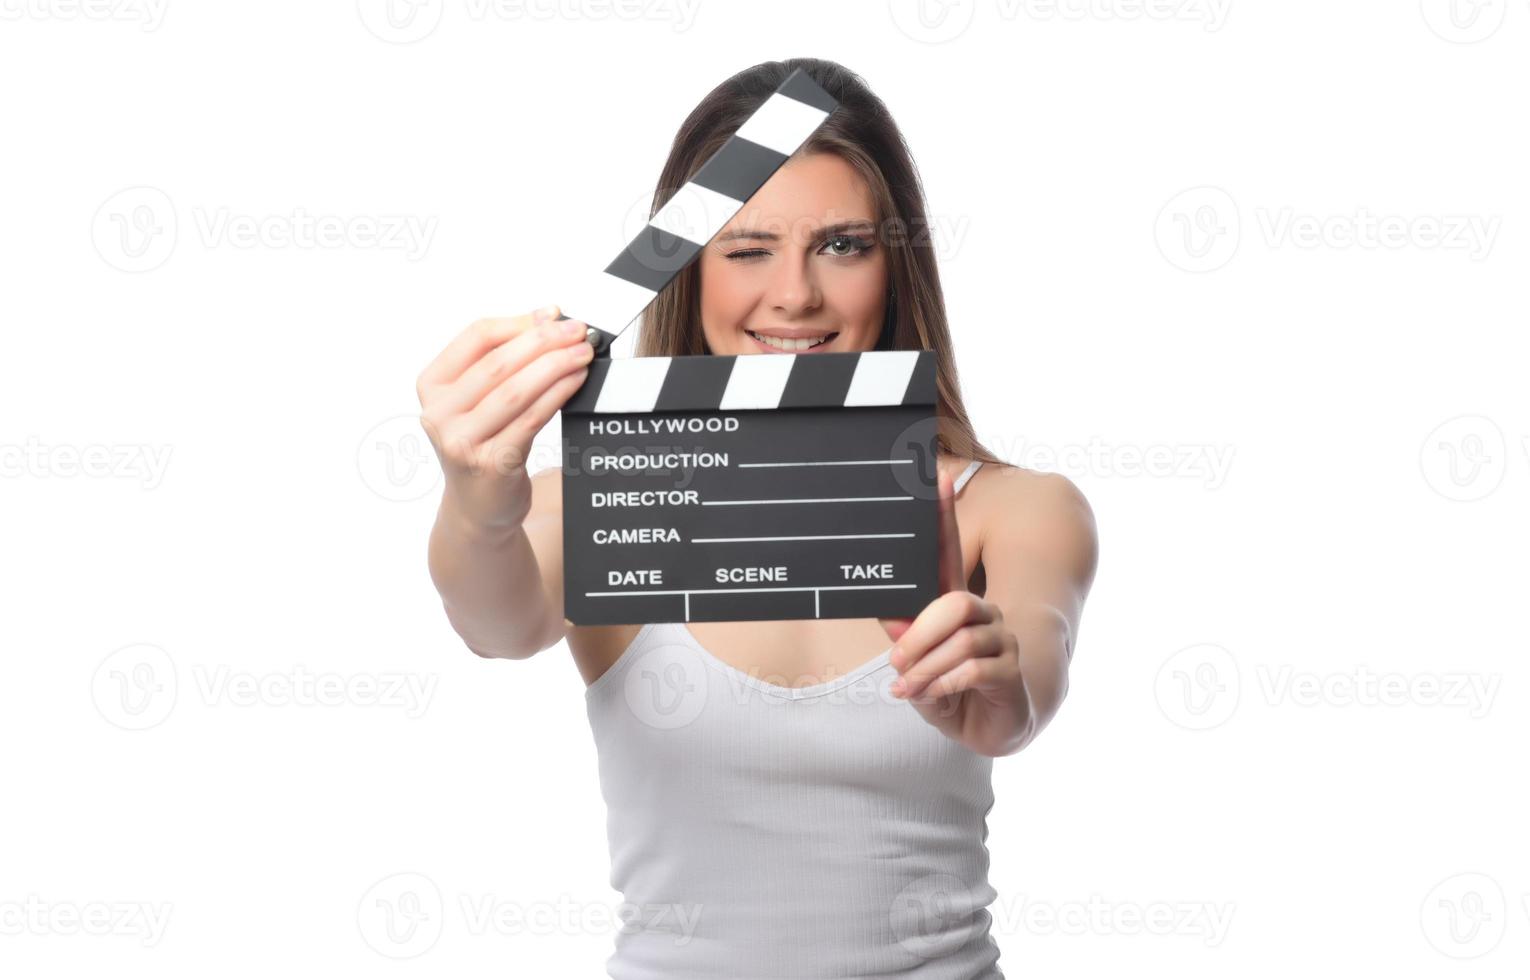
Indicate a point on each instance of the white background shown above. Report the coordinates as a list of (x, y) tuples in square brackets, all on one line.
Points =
[(1250, 273)]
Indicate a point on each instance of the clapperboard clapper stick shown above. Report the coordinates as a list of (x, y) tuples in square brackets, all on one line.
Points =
[(768, 486)]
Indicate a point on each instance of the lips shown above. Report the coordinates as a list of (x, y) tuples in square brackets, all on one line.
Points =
[(790, 346)]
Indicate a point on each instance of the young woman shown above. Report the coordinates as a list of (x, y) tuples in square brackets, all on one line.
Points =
[(785, 798)]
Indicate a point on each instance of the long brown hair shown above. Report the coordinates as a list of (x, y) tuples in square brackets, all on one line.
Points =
[(863, 134)]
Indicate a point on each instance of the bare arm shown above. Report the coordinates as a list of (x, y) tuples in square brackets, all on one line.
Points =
[(502, 587), (495, 551), (990, 671), (1041, 562)]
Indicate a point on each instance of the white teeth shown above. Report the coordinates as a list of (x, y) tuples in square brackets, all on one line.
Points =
[(787, 343)]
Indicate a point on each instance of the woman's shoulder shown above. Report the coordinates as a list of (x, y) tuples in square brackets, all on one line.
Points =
[(1018, 483), (1044, 513)]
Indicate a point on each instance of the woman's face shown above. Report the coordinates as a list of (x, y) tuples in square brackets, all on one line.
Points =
[(800, 263)]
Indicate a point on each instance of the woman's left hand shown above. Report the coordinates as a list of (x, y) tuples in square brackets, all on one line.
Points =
[(958, 664)]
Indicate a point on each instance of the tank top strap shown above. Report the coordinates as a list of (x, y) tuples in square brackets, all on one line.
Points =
[(966, 475)]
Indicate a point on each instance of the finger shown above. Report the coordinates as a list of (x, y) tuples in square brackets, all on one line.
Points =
[(967, 643), (951, 577), (947, 614), (976, 674), (471, 344), (505, 361), (506, 450), (516, 392)]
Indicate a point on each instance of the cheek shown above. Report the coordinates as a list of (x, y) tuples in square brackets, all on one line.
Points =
[(859, 293), (721, 290), (725, 303)]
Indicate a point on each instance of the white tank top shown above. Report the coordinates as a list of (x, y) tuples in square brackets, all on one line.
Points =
[(759, 830)]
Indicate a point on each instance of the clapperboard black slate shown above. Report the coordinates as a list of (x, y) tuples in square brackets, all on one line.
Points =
[(767, 486)]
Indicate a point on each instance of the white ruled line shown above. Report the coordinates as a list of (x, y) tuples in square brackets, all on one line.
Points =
[(800, 500), (783, 588), (831, 462), (803, 537)]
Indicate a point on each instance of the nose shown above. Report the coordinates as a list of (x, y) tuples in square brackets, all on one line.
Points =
[(792, 290)]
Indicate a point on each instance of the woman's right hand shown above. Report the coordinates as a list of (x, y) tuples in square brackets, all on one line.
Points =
[(486, 396)]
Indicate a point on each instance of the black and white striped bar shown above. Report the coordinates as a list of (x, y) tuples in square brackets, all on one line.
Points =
[(753, 487), (675, 235)]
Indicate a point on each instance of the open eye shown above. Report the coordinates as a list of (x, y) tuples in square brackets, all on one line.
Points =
[(856, 246)]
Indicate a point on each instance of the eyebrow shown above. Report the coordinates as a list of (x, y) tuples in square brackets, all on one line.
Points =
[(862, 224)]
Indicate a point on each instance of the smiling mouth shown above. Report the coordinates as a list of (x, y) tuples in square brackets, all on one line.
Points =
[(783, 345)]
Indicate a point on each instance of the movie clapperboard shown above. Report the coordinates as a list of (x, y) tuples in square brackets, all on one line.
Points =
[(754, 487)]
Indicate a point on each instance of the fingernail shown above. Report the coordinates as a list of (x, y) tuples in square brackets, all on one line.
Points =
[(548, 312), (572, 327), (899, 687)]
